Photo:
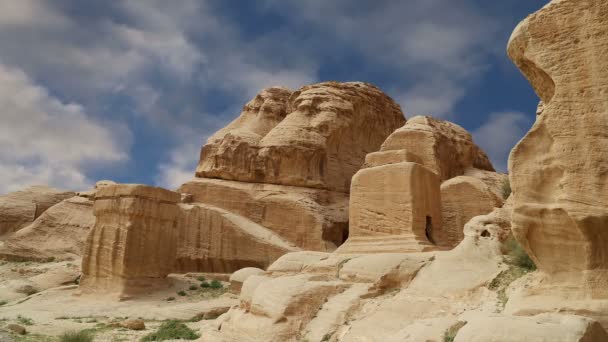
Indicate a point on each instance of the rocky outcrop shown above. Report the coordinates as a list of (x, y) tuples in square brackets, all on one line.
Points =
[(19, 209), (59, 233), (463, 198), (443, 147), (132, 246), (558, 170), (315, 137)]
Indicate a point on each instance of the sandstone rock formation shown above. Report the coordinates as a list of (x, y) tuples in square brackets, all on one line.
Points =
[(463, 198), (397, 201), (444, 147), (558, 170), (132, 246), (59, 233), (238, 278), (315, 137), (20, 208)]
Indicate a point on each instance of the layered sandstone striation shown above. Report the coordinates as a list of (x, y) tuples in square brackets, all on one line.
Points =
[(559, 169), (19, 209), (133, 244), (315, 137)]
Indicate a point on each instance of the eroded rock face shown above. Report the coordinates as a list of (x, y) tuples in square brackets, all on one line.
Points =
[(315, 137), (559, 169), (19, 209), (59, 233), (132, 246), (444, 147)]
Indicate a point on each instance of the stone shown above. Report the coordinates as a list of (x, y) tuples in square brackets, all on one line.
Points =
[(318, 219), (443, 147), (132, 247), (558, 171), (394, 208), (215, 240), (463, 198), (17, 329), (19, 209), (544, 327), (58, 234), (238, 278), (133, 324), (90, 194), (315, 137)]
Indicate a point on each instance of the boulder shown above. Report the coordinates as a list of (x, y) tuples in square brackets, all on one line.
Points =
[(558, 171), (463, 198), (238, 278), (540, 328), (59, 233), (19, 209), (315, 137), (443, 147), (133, 324)]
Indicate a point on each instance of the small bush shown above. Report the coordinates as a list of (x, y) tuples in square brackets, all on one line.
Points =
[(25, 320), (506, 189), (201, 278), (517, 256), (452, 331), (181, 293), (172, 330), (170, 299), (3, 302), (193, 287), (215, 284), (76, 336), (205, 285)]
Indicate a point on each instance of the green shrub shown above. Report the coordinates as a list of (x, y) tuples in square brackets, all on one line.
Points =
[(170, 299), (215, 284), (517, 256), (193, 287), (201, 278), (3, 302), (172, 330), (506, 188), (452, 331), (205, 285), (25, 320), (76, 336), (181, 293)]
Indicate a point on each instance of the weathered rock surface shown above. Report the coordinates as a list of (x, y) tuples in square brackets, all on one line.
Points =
[(394, 208), (559, 169), (444, 147), (59, 233), (315, 137), (20, 208), (133, 244), (238, 278), (463, 198), (311, 219), (545, 327)]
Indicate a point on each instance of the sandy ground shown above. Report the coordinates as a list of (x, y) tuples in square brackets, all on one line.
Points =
[(60, 308)]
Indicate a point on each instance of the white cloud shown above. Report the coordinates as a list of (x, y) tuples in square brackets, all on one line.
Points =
[(180, 166), (43, 140), (499, 134)]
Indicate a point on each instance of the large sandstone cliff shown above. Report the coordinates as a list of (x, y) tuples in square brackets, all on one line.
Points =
[(559, 169)]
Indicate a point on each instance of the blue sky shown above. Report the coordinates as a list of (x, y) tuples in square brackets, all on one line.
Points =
[(129, 90)]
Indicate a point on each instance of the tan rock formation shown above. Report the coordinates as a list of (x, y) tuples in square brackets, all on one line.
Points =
[(317, 219), (444, 147), (59, 233), (463, 198), (315, 137), (132, 246), (20, 208), (394, 208), (558, 170), (238, 278), (545, 327)]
